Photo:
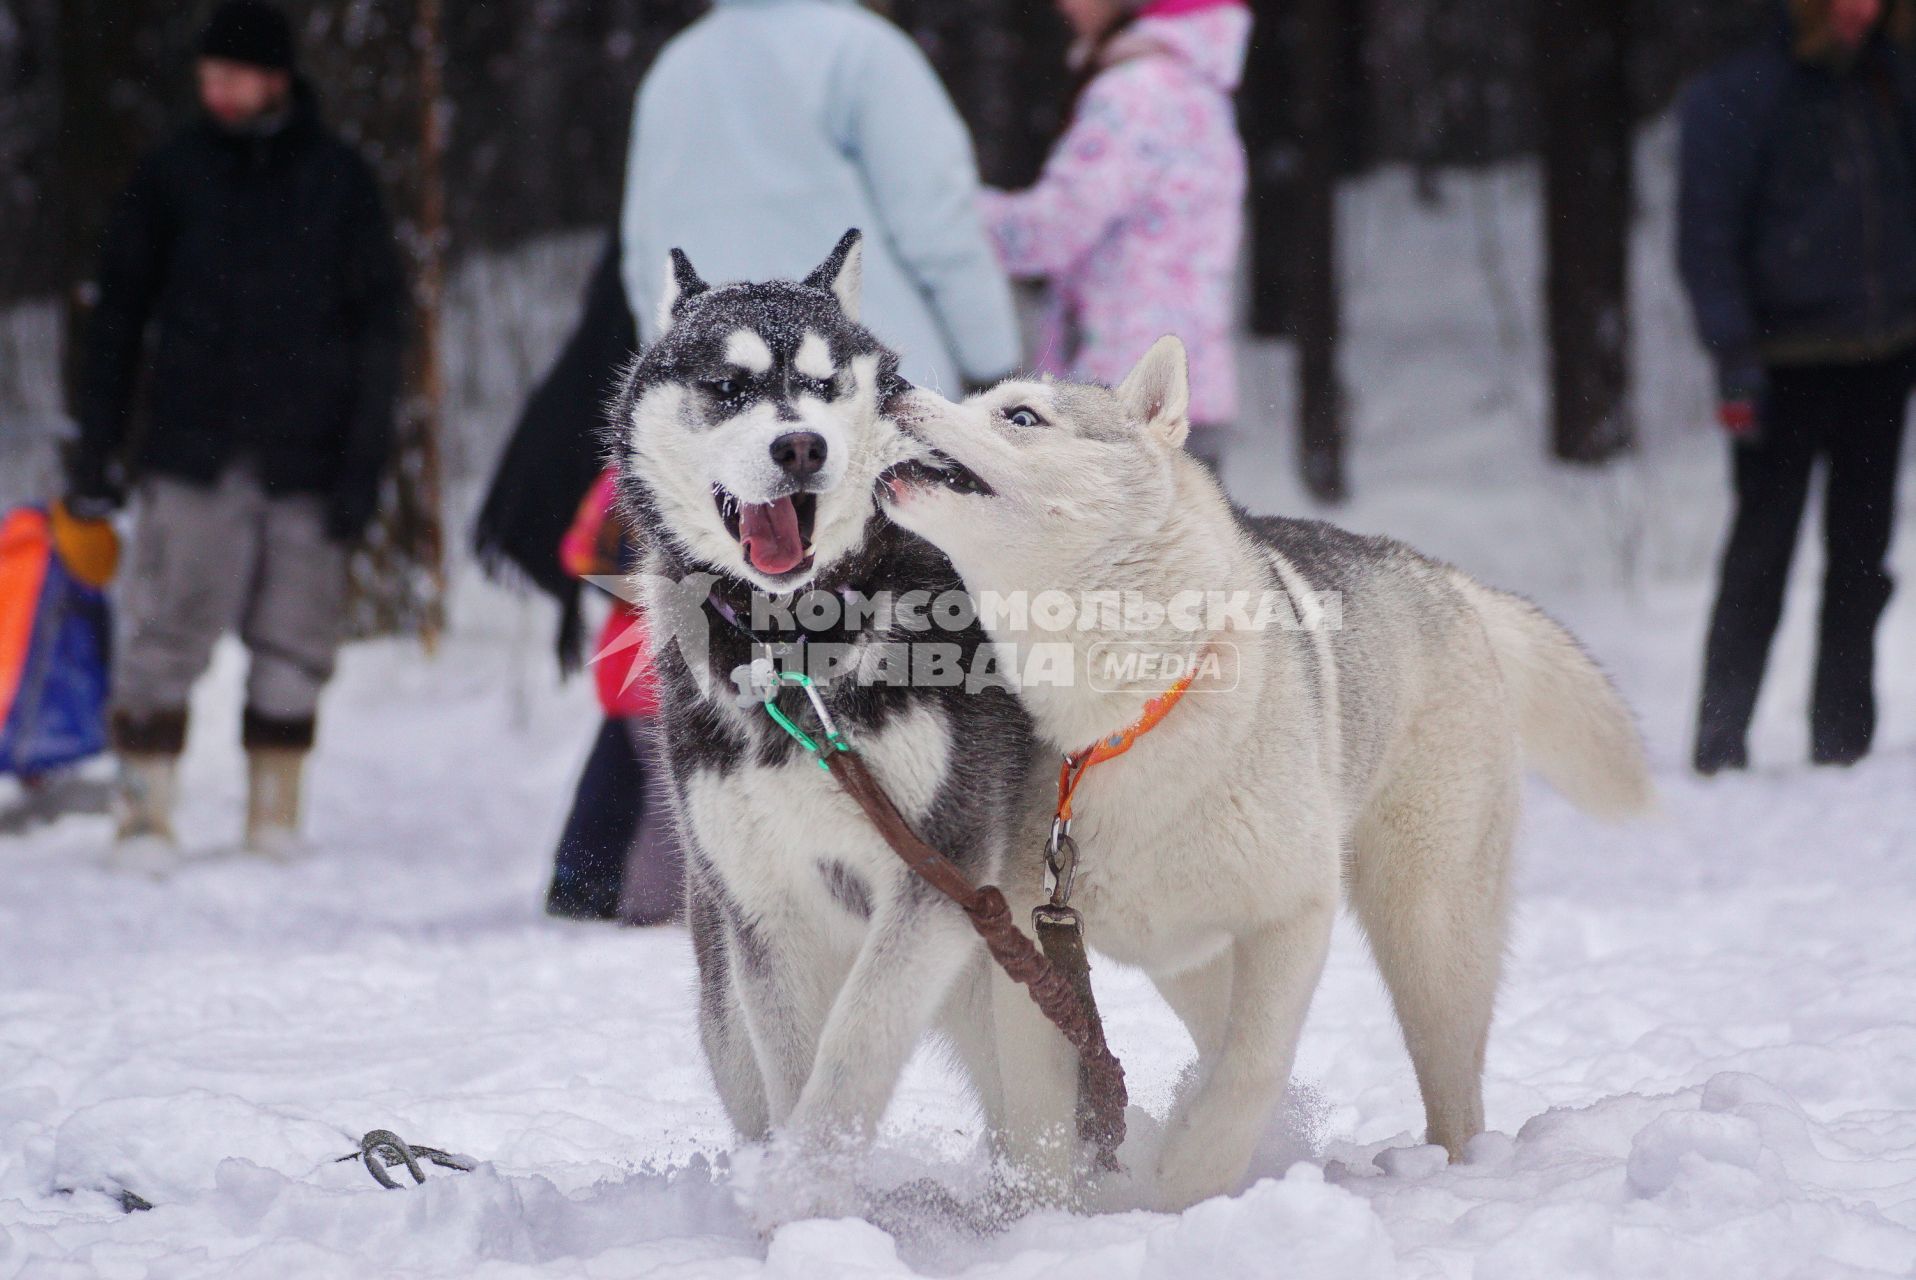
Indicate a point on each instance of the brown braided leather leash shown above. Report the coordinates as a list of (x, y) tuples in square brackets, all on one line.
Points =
[(1059, 978)]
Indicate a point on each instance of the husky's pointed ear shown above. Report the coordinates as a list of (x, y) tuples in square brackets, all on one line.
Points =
[(842, 271), (1158, 391), (682, 284)]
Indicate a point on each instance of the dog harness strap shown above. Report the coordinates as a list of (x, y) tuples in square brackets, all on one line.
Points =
[(729, 615), (1079, 763)]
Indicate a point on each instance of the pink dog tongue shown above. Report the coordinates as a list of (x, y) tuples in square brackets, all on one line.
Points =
[(769, 533)]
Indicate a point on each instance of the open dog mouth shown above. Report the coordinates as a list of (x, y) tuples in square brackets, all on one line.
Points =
[(943, 470), (775, 536)]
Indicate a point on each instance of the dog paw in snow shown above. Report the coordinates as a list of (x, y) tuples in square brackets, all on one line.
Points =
[(792, 1180)]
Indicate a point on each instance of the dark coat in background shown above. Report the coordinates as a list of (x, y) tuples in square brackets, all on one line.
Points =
[(264, 267), (1797, 205), (557, 450)]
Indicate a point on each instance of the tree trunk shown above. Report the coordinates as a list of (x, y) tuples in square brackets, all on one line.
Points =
[(1583, 74), (1315, 321), (100, 140), (1003, 61), (426, 416), (399, 572), (1267, 119)]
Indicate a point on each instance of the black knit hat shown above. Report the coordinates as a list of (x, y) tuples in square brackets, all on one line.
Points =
[(249, 31)]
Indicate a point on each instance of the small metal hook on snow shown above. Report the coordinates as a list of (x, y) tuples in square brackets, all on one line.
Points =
[(403, 1153)]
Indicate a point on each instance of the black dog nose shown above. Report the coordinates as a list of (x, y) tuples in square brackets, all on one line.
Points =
[(799, 453)]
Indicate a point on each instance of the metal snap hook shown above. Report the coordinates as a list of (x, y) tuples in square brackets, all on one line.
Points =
[(1060, 865)]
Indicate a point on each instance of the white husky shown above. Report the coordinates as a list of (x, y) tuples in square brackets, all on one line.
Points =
[(1382, 752)]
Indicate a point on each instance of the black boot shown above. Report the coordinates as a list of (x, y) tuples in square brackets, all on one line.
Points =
[(1771, 482), (1717, 755), (1843, 695)]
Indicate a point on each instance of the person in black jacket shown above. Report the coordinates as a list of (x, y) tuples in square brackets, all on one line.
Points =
[(1797, 246), (251, 275)]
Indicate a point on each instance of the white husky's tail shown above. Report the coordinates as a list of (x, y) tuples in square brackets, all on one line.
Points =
[(1575, 728)]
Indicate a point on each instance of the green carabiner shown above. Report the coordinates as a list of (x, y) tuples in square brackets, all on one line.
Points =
[(833, 738)]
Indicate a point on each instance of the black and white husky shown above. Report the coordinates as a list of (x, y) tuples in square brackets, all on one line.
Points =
[(751, 438)]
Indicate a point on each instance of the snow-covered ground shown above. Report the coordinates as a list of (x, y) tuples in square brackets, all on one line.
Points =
[(1704, 1062)]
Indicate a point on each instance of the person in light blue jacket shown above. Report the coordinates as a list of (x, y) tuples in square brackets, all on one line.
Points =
[(767, 128)]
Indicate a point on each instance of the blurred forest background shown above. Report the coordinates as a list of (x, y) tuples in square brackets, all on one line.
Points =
[(499, 125)]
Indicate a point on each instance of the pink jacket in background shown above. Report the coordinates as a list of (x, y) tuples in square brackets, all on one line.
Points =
[(1138, 215)]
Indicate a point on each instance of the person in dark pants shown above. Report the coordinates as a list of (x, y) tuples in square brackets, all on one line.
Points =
[(251, 273), (1797, 246), (588, 869), (619, 854)]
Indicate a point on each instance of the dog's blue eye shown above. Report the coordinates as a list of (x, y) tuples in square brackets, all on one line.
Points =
[(1023, 417), (725, 388)]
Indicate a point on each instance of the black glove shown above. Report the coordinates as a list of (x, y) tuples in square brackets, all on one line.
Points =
[(94, 489)]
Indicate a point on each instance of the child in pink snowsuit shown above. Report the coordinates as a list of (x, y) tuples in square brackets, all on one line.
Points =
[(1137, 218)]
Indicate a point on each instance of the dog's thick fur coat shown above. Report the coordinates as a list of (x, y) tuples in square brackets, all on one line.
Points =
[(1382, 755)]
